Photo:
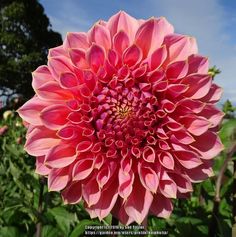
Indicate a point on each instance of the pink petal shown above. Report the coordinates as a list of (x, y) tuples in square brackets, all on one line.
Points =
[(57, 51), (190, 106), (40, 140), (126, 180), (184, 184), (199, 85), (95, 57), (149, 154), (113, 60), (151, 33), (177, 70), (161, 206), (188, 159), (72, 194), (120, 42), (106, 202), (58, 179), (69, 133), (212, 114), (200, 173), (119, 212), (78, 58), (208, 149), (196, 125), (84, 146), (132, 56), (68, 80), (174, 90), (167, 186), (91, 192), (30, 111), (148, 178), (126, 164), (82, 169), (54, 116), (52, 91), (182, 136), (90, 80), (41, 168), (60, 156), (76, 40), (137, 206), (168, 106), (157, 58), (58, 65), (180, 47), (166, 159), (123, 22), (198, 64), (213, 95), (103, 176), (101, 36), (41, 76)]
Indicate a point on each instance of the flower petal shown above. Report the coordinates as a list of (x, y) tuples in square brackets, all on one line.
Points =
[(161, 206), (58, 179), (31, 110), (151, 33), (95, 57), (137, 206), (41, 168), (188, 159), (82, 169), (100, 35), (123, 22), (72, 194), (54, 116), (208, 149), (76, 40), (40, 140), (60, 155)]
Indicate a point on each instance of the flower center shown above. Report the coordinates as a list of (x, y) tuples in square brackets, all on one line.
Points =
[(126, 115)]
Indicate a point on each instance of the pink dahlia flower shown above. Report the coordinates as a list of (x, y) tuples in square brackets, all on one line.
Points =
[(124, 118)]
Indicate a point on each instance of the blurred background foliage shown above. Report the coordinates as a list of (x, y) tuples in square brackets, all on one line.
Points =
[(25, 38), (26, 206)]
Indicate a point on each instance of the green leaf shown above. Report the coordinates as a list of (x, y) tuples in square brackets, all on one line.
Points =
[(203, 229), (80, 228), (228, 132), (9, 231), (50, 231), (63, 218), (209, 187)]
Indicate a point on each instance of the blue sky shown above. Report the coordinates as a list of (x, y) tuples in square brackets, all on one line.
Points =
[(212, 22)]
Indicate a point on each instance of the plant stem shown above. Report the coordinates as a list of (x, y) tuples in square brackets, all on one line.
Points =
[(234, 201), (213, 225), (40, 206)]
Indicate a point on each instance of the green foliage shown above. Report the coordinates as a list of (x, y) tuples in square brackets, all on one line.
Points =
[(229, 109), (214, 71), (20, 191), (25, 37)]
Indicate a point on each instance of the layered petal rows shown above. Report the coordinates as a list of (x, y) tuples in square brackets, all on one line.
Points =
[(124, 118)]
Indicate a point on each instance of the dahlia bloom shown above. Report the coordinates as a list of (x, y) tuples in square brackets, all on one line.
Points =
[(124, 118)]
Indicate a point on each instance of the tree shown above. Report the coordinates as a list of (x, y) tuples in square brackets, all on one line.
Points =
[(25, 38)]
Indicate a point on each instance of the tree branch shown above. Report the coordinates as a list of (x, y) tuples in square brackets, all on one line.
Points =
[(40, 207)]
